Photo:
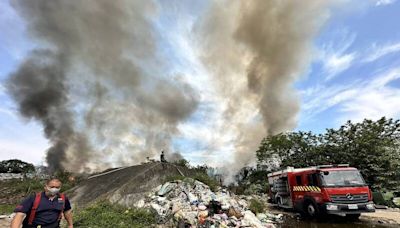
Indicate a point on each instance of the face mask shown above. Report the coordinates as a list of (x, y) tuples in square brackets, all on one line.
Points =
[(53, 191)]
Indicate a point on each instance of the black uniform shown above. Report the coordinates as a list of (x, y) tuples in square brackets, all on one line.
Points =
[(47, 213)]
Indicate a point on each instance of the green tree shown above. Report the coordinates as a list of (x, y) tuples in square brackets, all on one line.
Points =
[(297, 149), (16, 166), (371, 146)]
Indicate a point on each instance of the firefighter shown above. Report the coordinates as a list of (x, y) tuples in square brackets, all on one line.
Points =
[(45, 209), (162, 159)]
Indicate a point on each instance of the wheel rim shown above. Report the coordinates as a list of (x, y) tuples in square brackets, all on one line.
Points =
[(311, 209)]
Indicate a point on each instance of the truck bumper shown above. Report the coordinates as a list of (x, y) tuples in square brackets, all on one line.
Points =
[(337, 208)]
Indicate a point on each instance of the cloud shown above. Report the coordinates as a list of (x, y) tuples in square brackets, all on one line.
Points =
[(384, 2), (374, 99), (334, 55), (336, 64), (26, 151), (320, 98), (379, 51), (12, 41), (357, 100)]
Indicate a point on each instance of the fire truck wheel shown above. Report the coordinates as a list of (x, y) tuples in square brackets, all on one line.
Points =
[(311, 209)]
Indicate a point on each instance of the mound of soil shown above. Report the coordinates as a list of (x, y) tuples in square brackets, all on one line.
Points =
[(124, 185)]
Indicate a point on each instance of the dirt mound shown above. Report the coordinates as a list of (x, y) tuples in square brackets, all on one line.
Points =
[(125, 185)]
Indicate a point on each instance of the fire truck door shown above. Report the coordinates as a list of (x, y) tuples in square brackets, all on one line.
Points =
[(298, 190), (312, 189)]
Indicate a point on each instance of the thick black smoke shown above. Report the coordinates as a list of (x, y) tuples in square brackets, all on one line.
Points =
[(39, 87), (97, 80)]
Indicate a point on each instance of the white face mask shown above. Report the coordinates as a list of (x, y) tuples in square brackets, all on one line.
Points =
[(53, 191)]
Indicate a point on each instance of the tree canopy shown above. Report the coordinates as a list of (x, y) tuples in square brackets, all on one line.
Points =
[(370, 146), (16, 166)]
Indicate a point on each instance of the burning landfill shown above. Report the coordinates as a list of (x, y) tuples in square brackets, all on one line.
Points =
[(191, 203)]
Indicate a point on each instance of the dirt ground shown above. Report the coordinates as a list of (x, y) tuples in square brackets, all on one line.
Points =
[(5, 222), (383, 216), (390, 217)]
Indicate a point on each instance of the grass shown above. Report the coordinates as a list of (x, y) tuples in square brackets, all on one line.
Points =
[(15, 190), (6, 209), (105, 214)]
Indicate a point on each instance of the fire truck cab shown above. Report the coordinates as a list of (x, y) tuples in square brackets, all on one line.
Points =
[(325, 189)]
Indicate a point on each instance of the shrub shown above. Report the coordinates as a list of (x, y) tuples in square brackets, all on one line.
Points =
[(181, 162), (202, 177), (68, 179), (256, 206), (25, 187)]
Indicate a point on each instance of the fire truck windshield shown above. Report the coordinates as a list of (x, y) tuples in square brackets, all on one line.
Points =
[(342, 178)]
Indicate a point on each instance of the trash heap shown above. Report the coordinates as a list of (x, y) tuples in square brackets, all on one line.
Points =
[(191, 203)]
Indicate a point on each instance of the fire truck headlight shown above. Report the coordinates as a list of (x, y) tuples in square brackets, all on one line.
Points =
[(331, 207), (370, 206)]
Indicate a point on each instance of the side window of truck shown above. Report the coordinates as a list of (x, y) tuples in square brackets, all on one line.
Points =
[(298, 180), (312, 179)]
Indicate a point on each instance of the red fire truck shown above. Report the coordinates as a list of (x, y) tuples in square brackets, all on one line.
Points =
[(325, 189)]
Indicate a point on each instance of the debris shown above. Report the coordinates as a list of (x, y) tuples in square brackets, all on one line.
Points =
[(167, 187), (191, 203)]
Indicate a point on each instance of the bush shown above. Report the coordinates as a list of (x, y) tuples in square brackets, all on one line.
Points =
[(105, 214), (256, 206), (202, 177), (181, 162), (68, 179)]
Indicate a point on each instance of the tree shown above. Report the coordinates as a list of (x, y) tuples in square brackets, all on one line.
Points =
[(16, 166), (297, 149), (371, 146)]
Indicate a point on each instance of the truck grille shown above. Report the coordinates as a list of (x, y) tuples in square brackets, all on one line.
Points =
[(350, 198)]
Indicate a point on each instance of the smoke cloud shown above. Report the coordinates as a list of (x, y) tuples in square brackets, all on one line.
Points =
[(105, 94), (96, 82), (256, 50)]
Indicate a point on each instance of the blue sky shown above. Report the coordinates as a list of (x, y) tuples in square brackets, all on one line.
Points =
[(354, 74)]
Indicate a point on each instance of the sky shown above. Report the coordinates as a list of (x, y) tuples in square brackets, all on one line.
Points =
[(354, 73)]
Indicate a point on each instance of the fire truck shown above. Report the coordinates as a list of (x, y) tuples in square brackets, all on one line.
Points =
[(320, 190)]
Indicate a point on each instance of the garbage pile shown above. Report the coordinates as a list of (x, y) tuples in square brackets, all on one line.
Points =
[(190, 203)]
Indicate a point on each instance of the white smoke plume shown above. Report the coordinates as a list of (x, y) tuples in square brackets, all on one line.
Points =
[(255, 51)]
